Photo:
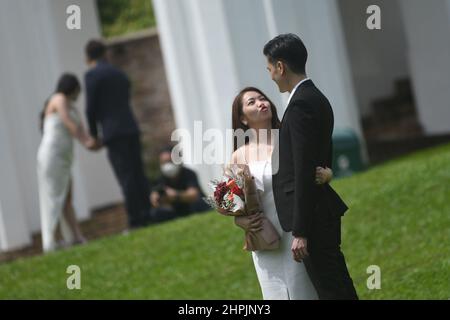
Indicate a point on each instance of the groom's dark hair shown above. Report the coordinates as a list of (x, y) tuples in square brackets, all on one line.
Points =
[(288, 48), (95, 49)]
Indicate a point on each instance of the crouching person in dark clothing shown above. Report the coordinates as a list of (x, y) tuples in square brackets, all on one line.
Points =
[(177, 192)]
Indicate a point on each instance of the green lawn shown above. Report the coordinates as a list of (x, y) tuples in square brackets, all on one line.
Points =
[(399, 220)]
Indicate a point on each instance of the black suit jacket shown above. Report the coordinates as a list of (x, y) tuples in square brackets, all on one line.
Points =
[(305, 142), (107, 102)]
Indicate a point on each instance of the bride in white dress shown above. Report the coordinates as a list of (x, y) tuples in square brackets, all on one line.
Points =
[(279, 275), (60, 124)]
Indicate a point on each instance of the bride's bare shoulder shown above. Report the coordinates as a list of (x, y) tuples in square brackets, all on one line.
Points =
[(58, 98), (238, 156), (54, 103)]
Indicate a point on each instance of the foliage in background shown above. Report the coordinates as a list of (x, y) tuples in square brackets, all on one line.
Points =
[(119, 17)]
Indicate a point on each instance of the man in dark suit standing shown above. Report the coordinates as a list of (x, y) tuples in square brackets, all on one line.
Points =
[(311, 212), (108, 108)]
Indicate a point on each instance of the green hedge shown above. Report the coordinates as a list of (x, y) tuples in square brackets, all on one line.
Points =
[(120, 17)]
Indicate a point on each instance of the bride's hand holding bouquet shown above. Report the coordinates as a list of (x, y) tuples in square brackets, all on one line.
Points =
[(235, 195)]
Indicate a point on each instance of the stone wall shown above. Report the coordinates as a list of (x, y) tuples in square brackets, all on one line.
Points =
[(139, 55)]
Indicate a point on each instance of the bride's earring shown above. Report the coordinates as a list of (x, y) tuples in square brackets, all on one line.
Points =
[(244, 122)]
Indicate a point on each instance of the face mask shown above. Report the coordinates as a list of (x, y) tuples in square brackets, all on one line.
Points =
[(170, 169)]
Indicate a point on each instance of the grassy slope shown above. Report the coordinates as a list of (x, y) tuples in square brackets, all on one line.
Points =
[(399, 220)]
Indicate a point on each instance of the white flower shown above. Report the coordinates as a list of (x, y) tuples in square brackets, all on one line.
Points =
[(238, 203)]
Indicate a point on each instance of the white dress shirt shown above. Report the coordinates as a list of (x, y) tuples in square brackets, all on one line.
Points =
[(295, 89)]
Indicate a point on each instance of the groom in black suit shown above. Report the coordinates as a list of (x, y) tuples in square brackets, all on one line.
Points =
[(107, 107), (311, 212)]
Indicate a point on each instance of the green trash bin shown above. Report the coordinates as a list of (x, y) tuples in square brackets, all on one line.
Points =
[(346, 153)]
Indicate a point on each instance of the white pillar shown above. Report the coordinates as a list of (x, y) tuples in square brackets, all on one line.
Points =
[(251, 25), (427, 26), (14, 231)]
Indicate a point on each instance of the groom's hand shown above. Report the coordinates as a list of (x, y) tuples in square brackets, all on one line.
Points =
[(94, 144), (299, 249)]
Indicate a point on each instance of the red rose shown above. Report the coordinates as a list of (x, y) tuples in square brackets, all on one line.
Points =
[(237, 191), (220, 192)]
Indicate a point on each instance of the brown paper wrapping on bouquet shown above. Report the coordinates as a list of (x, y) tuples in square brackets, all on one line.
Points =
[(267, 238)]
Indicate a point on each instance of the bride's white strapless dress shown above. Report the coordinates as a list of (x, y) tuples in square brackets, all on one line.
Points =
[(54, 163), (279, 275)]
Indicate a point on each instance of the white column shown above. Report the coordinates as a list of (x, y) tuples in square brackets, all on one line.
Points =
[(427, 26), (200, 69), (270, 18), (251, 25), (14, 231)]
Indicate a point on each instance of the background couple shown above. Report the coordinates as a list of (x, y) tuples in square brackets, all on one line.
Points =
[(293, 181), (107, 106)]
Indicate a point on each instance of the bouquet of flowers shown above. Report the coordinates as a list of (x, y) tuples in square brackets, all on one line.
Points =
[(235, 195)]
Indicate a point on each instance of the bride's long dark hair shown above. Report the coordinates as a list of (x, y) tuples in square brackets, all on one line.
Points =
[(237, 112), (67, 84)]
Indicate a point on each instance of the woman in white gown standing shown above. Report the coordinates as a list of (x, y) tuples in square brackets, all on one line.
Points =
[(60, 123), (279, 275)]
